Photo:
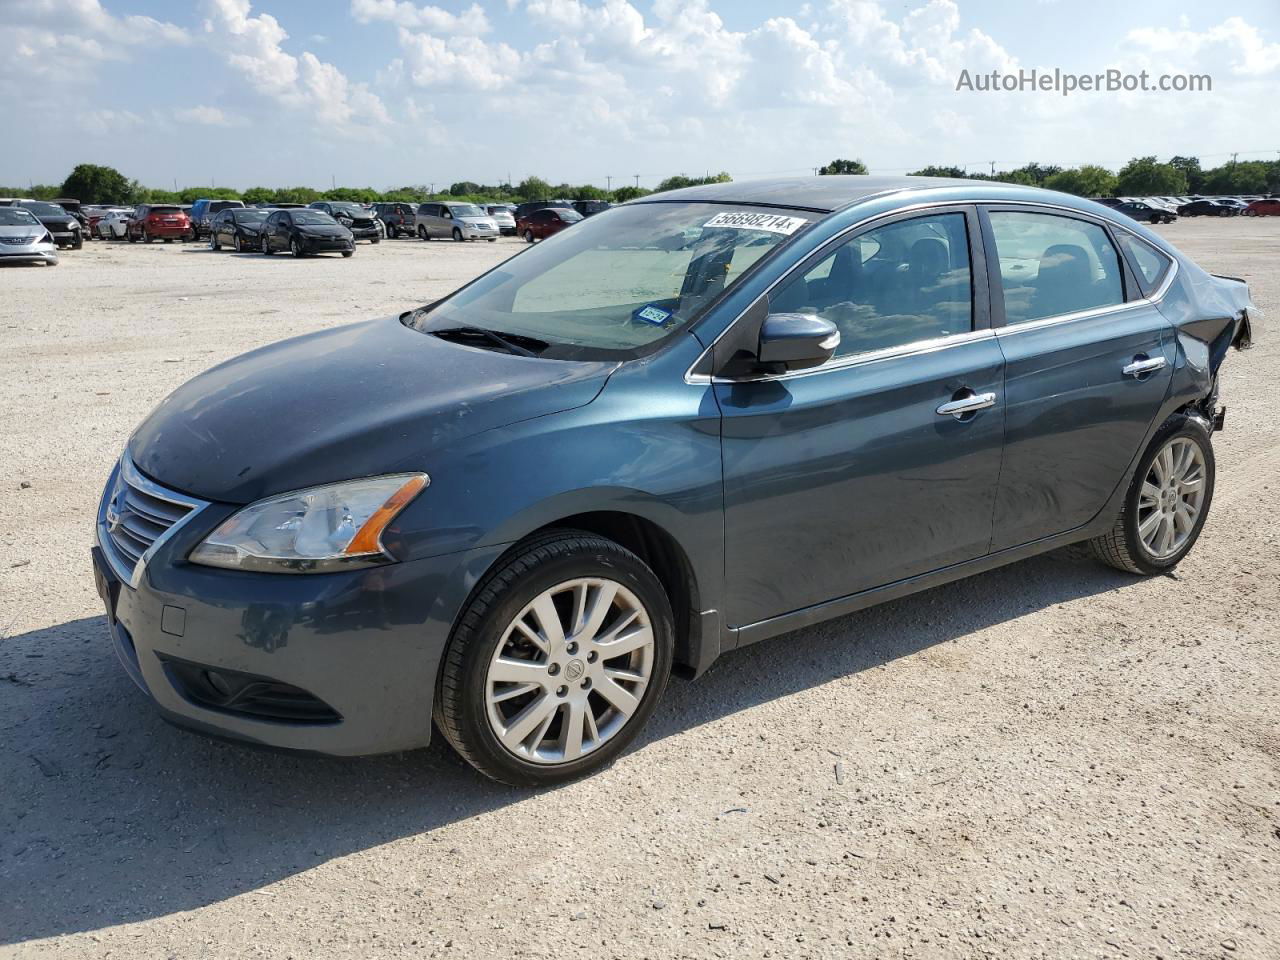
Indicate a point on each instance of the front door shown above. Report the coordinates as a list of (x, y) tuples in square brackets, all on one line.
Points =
[(1088, 364), (858, 473)]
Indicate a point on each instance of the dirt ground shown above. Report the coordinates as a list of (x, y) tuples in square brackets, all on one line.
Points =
[(1051, 760)]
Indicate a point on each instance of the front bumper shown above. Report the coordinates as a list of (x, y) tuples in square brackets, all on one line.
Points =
[(363, 646), (365, 233), (29, 252), (470, 232), (326, 244)]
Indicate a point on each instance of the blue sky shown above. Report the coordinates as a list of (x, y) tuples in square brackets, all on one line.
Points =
[(390, 92)]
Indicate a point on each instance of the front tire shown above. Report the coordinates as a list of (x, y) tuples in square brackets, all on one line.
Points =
[(557, 662), (457, 234), (296, 247), (1167, 502), (528, 236)]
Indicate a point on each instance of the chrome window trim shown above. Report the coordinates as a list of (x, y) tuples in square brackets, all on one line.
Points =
[(134, 478), (929, 346)]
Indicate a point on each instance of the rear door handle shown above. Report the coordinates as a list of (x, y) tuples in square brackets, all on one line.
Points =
[(967, 405), (1140, 366)]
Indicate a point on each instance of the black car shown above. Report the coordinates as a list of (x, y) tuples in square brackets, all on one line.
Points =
[(239, 228), (304, 232), (397, 218), (589, 208), (62, 226), (1207, 208), (355, 217), (1146, 212), (279, 206), (524, 209)]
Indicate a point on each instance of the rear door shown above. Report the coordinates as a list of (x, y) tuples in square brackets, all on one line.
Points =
[(1088, 362), (858, 473)]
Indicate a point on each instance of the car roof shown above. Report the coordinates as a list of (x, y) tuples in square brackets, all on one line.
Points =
[(823, 194)]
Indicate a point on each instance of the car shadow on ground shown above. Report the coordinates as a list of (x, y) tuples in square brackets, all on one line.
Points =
[(108, 815)]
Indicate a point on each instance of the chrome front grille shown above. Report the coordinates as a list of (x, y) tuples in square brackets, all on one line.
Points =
[(137, 514)]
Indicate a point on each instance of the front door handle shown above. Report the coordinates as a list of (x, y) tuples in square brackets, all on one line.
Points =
[(1141, 365), (967, 405)]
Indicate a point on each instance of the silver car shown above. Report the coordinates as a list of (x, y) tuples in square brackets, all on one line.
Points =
[(504, 218), (462, 221), (23, 237)]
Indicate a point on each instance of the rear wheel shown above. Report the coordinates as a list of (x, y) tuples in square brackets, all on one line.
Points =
[(528, 236), (1167, 503), (557, 662), (146, 237), (422, 233), (213, 241)]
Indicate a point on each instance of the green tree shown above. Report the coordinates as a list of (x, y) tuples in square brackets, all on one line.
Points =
[(932, 171), (258, 195), (353, 194), (588, 192), (843, 167), (1034, 174), (1247, 177), (534, 188), (1086, 181), (90, 183), (623, 194), (464, 188), (192, 194), (680, 181), (1147, 177), (1191, 167)]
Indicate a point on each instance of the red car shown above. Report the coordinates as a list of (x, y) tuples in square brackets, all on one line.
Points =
[(165, 222), (541, 224), (1270, 207)]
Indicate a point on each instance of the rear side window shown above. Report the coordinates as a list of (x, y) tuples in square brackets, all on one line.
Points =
[(894, 285), (1051, 265), (1151, 264)]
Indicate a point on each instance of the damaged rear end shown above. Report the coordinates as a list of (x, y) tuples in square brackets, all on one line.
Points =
[(1211, 314)]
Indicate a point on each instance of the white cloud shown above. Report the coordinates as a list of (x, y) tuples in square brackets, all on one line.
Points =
[(206, 116), (254, 47), (88, 17), (402, 13), (109, 121), (465, 63), (1234, 44)]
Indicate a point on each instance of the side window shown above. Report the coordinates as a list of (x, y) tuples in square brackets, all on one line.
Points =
[(898, 284), (1152, 264), (1052, 265)]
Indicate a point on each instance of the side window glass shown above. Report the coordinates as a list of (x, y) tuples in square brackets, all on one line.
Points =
[(898, 284), (1052, 265), (1152, 264)]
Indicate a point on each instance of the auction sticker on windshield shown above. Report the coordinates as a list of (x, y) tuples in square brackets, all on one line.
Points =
[(768, 222)]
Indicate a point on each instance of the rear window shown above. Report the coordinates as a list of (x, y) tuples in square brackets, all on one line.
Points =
[(1151, 264), (164, 210)]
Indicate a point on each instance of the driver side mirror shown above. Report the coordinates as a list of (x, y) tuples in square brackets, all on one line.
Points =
[(796, 341)]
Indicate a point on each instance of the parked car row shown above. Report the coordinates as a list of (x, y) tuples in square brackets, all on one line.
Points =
[(1168, 209)]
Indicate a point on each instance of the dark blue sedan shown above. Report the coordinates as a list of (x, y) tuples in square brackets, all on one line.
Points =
[(690, 423)]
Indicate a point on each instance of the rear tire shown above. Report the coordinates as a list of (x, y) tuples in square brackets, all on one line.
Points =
[(471, 710), (213, 241), (528, 236), (1156, 492), (422, 233)]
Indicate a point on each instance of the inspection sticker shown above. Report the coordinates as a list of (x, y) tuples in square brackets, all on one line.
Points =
[(653, 314), (768, 222)]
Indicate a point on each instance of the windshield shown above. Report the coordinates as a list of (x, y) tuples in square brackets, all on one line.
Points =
[(312, 218), (568, 216), (16, 217), (44, 209), (249, 216), (350, 209), (620, 282), (465, 210)]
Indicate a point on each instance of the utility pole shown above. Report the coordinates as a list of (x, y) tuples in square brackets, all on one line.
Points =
[(993, 168), (608, 181), (1233, 158), (333, 181), (815, 171), (637, 181)]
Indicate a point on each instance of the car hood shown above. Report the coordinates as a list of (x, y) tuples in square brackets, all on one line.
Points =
[(360, 400), (27, 230), (323, 229), (488, 220), (58, 221)]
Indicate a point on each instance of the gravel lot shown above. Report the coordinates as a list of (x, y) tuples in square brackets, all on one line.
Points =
[(1051, 760)]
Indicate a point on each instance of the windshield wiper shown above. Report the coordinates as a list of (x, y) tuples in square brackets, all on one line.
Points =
[(494, 338)]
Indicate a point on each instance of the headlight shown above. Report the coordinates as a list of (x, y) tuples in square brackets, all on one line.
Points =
[(316, 530)]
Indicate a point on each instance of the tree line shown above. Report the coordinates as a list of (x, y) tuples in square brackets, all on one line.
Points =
[(91, 183), (1141, 176)]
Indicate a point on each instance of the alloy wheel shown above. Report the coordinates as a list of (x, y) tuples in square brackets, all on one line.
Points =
[(1171, 497), (570, 671)]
